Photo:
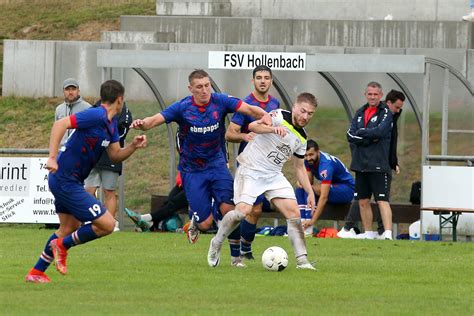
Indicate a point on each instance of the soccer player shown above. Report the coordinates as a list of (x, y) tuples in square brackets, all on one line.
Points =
[(337, 184), (260, 172), (96, 130), (202, 161), (238, 132)]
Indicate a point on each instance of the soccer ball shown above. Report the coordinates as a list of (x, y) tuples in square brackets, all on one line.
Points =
[(275, 259)]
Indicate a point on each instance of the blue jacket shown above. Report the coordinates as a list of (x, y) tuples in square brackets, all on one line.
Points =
[(370, 145)]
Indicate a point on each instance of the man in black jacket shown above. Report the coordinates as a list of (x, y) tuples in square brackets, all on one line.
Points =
[(369, 137), (105, 173), (394, 100)]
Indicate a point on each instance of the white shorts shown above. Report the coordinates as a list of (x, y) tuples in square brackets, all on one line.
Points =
[(107, 179), (249, 184)]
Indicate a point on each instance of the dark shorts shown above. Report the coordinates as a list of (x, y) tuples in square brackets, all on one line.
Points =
[(71, 198), (376, 183), (206, 191)]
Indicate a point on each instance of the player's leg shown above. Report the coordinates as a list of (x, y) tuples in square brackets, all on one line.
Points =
[(92, 182), (289, 208), (248, 228), (245, 194), (223, 192), (381, 188), (363, 192), (109, 181), (176, 201), (305, 212), (350, 229), (84, 208), (198, 193), (67, 225), (229, 223)]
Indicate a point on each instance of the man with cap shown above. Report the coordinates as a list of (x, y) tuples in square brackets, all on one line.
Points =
[(73, 103)]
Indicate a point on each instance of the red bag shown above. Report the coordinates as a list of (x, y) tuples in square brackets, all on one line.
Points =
[(327, 233)]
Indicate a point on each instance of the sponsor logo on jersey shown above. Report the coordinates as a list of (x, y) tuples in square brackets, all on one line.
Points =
[(204, 129)]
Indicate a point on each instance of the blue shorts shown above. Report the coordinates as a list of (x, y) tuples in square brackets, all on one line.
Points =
[(71, 198), (207, 190), (338, 194)]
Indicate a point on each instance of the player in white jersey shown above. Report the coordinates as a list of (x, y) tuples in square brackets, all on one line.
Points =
[(260, 172)]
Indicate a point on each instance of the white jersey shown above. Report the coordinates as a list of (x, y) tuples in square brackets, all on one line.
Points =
[(269, 152)]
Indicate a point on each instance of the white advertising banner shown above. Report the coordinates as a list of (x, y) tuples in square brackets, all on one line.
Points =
[(24, 191), (250, 60)]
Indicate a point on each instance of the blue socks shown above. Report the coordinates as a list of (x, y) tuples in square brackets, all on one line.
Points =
[(234, 242), (247, 235), (46, 256), (80, 236)]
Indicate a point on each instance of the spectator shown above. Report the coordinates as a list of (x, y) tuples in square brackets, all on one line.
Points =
[(73, 103), (394, 100), (369, 138)]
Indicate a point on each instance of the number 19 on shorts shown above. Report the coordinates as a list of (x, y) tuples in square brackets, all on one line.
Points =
[(95, 210)]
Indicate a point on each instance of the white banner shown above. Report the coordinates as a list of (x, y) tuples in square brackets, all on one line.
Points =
[(24, 191), (250, 60)]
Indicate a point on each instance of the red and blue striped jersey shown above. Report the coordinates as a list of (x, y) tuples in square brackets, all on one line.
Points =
[(244, 120), (201, 130), (330, 170), (93, 134)]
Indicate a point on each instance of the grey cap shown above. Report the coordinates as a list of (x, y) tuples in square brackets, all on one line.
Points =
[(70, 82)]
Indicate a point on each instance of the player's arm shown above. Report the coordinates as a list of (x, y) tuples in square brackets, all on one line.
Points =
[(234, 134), (118, 154), (255, 112), (310, 176), (323, 198), (148, 122), (259, 127), (57, 132), (302, 177), (379, 131)]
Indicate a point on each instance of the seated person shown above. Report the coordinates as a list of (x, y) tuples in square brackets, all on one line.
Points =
[(176, 201), (337, 184)]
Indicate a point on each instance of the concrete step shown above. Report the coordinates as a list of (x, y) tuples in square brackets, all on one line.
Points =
[(419, 10), (194, 7), (137, 37), (266, 31)]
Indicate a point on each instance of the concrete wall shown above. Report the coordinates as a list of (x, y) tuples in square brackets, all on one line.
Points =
[(419, 10), (263, 31), (37, 68)]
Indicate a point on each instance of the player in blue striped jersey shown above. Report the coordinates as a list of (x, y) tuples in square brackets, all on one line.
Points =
[(95, 131)]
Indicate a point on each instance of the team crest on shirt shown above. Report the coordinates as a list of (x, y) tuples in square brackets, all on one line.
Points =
[(324, 174), (374, 119), (215, 115)]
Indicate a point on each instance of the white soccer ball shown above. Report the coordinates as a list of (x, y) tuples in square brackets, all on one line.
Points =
[(275, 259)]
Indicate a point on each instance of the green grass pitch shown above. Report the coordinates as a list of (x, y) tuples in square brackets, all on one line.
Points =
[(131, 273)]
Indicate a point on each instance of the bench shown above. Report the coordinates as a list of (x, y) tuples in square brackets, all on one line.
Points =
[(401, 213), (448, 218)]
